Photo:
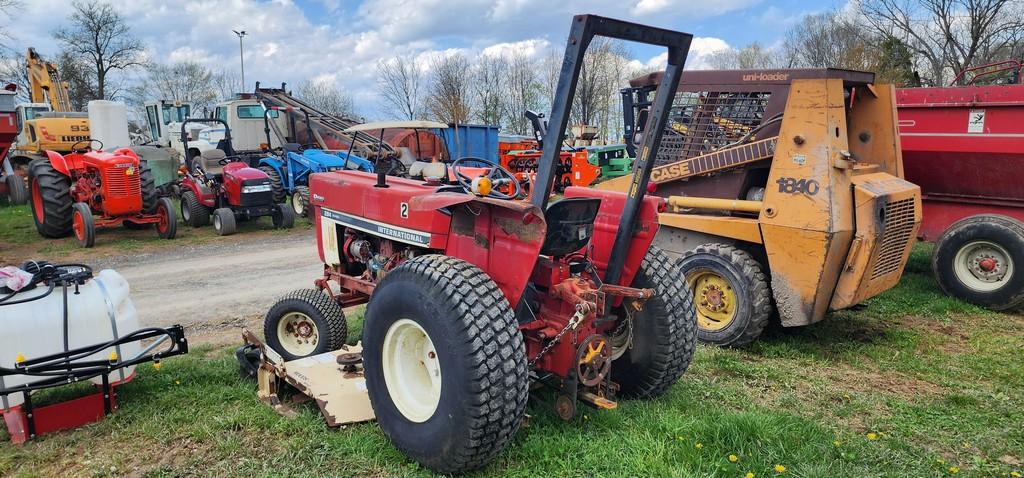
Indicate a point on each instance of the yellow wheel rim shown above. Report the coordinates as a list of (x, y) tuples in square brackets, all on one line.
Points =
[(715, 299)]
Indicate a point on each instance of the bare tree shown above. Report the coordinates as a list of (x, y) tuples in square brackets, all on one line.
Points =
[(949, 35), (751, 57), (74, 71), (182, 81), (831, 40), (550, 69), (325, 96), (6, 8), (12, 70), (399, 82), (226, 84), (450, 89), (101, 35), (522, 92), (489, 78)]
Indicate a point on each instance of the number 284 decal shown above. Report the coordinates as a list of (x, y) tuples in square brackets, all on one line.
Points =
[(807, 187)]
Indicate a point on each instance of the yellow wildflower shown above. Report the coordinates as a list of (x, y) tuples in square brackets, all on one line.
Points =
[(750, 474), (780, 469), (837, 443), (954, 470), (699, 446), (940, 461), (1015, 474), (734, 458), (872, 436)]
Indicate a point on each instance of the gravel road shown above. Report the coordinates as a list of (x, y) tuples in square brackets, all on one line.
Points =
[(219, 282)]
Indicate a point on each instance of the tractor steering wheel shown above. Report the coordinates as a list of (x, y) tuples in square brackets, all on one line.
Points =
[(496, 174), (227, 159), (88, 143)]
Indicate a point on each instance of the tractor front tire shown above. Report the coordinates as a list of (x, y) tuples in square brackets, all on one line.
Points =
[(664, 332), (193, 212), (51, 199), (17, 191), (305, 322), (980, 259), (148, 186), (445, 363), (224, 221), (300, 201), (731, 294), (83, 224), (167, 228), (283, 217), (276, 185)]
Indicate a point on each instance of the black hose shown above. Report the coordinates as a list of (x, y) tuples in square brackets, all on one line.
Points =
[(52, 275)]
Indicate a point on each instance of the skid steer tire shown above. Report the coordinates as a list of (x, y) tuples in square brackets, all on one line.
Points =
[(276, 186), (309, 310), (51, 199), (731, 294), (664, 331), (959, 254), (458, 398)]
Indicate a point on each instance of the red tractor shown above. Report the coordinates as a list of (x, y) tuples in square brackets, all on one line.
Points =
[(224, 186), (475, 293), (92, 189)]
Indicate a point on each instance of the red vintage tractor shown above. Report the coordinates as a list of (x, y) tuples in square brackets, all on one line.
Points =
[(474, 293), (223, 185), (92, 189)]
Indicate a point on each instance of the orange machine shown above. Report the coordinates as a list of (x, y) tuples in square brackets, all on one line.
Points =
[(802, 210)]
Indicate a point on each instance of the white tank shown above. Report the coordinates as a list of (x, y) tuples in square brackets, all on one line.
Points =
[(108, 122), (100, 312)]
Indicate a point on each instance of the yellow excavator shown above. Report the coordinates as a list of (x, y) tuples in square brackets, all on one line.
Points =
[(48, 122)]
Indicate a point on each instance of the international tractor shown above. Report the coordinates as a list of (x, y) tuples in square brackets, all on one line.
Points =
[(475, 295), (226, 188), (785, 193), (88, 189)]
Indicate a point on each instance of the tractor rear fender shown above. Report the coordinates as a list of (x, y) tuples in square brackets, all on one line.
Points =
[(501, 237), (272, 162), (59, 163)]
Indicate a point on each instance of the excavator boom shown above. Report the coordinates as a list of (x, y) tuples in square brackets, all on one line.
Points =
[(45, 84)]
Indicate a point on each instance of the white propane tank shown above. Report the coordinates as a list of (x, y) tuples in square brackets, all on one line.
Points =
[(99, 313), (108, 122)]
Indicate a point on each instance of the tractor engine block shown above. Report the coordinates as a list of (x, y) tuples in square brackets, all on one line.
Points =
[(372, 257)]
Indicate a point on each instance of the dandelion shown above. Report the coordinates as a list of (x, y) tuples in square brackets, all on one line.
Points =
[(967, 445), (586, 417), (872, 436), (1015, 474), (750, 474), (940, 461), (837, 443), (780, 469), (954, 470), (177, 382), (734, 458), (699, 446)]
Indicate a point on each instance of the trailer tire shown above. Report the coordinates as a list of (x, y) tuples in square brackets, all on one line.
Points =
[(51, 199), (283, 217), (192, 211), (83, 224), (148, 186), (276, 185), (300, 201), (224, 221), (17, 191), (971, 245), (455, 312), (731, 294), (664, 332), (309, 313)]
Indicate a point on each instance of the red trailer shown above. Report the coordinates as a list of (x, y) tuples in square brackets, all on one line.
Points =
[(964, 146), (12, 184)]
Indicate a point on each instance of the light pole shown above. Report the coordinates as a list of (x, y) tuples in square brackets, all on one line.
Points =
[(241, 56)]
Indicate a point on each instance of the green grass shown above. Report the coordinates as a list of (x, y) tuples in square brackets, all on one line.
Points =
[(937, 383)]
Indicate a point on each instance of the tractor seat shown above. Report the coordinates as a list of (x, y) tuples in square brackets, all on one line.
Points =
[(570, 225), (292, 147), (211, 161)]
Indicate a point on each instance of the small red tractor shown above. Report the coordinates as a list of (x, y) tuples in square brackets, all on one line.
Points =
[(226, 187), (93, 189), (474, 293)]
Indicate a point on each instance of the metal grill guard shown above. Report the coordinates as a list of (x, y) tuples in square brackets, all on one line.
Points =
[(703, 121), (896, 236)]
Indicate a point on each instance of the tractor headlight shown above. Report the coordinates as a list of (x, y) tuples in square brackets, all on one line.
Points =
[(257, 188)]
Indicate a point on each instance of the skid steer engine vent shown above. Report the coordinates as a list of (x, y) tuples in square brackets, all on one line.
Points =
[(119, 184), (703, 121), (898, 220)]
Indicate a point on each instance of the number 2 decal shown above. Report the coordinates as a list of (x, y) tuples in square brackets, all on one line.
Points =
[(403, 209), (807, 187)]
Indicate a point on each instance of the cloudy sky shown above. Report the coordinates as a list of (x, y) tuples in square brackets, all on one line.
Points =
[(342, 40)]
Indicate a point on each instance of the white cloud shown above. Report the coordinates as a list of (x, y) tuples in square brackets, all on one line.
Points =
[(647, 7), (532, 48), (701, 50)]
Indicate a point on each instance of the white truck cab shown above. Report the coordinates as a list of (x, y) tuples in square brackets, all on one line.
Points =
[(244, 115)]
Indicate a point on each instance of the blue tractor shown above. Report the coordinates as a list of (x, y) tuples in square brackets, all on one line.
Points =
[(290, 165)]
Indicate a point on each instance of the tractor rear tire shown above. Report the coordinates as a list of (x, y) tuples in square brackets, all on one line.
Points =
[(962, 251), (224, 221), (148, 186), (83, 224), (283, 217), (445, 363), (276, 185), (300, 201), (167, 228), (303, 315), (731, 294), (51, 199), (193, 212), (664, 331), (17, 191)]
